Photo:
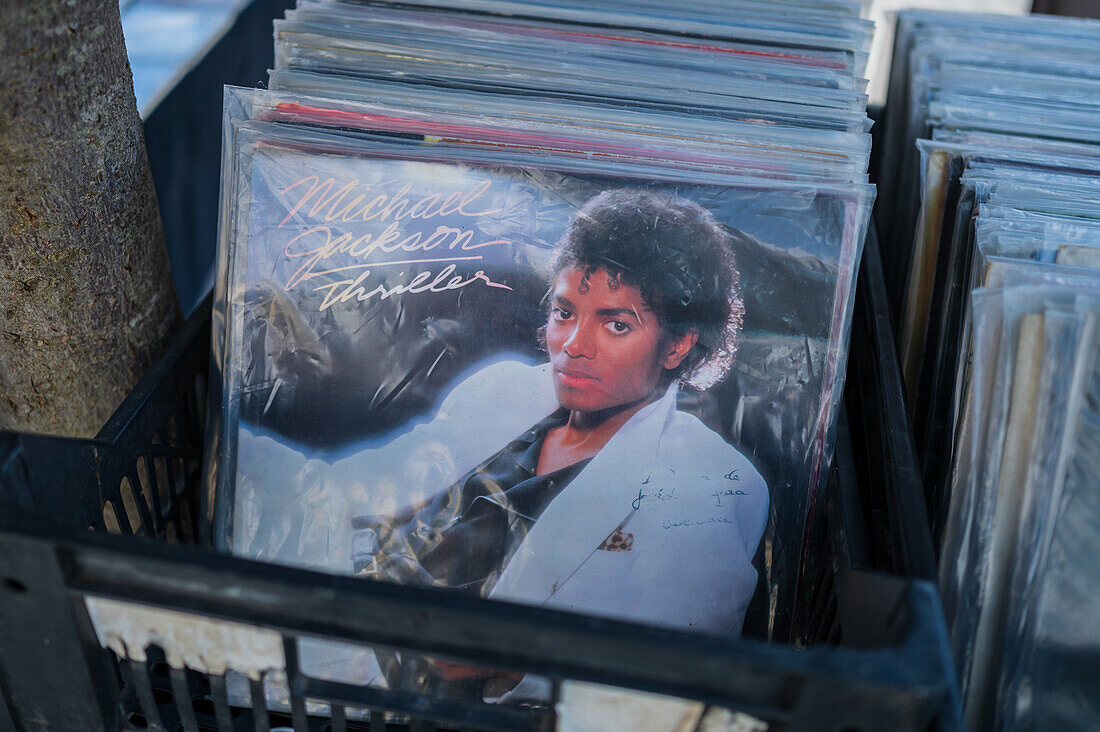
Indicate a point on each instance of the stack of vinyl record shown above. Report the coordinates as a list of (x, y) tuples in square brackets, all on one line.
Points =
[(545, 302), (992, 170)]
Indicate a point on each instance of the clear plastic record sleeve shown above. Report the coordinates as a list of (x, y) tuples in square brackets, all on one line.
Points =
[(670, 54), (927, 41), (997, 381), (605, 393), (1047, 679), (767, 103), (559, 128), (723, 97), (781, 30), (624, 32), (507, 55), (1040, 202), (1030, 341)]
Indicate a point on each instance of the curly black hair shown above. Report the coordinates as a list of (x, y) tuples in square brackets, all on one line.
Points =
[(679, 258)]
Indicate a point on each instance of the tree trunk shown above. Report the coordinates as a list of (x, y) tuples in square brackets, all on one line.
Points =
[(86, 296)]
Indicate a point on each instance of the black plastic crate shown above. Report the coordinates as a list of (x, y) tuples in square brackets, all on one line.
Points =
[(876, 654)]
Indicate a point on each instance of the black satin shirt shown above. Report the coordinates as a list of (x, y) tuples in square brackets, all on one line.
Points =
[(465, 536)]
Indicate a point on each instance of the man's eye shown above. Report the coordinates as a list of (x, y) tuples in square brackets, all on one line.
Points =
[(618, 327), (560, 313)]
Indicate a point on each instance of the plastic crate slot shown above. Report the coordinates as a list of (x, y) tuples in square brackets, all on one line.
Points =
[(172, 429), (173, 478), (129, 500), (186, 523), (260, 714), (298, 711), (408, 706), (144, 501), (182, 694), (139, 674), (202, 706), (153, 497), (278, 720), (339, 720), (164, 477), (110, 518), (222, 711)]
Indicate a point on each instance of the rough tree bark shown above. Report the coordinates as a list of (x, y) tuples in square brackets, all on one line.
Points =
[(86, 296)]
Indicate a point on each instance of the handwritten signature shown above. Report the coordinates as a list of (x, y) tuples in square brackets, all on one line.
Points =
[(667, 524), (718, 495), (660, 495)]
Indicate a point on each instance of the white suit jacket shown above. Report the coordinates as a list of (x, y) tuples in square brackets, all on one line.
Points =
[(694, 506)]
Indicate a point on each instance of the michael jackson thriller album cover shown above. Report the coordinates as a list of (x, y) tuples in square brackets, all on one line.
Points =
[(608, 394)]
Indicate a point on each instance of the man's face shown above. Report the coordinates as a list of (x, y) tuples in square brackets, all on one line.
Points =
[(604, 342)]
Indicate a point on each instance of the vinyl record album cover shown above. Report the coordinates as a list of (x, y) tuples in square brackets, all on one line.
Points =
[(578, 391)]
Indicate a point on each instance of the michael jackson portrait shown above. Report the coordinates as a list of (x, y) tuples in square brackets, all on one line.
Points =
[(539, 385), (577, 484)]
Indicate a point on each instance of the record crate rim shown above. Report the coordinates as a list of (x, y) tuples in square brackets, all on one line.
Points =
[(908, 679)]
